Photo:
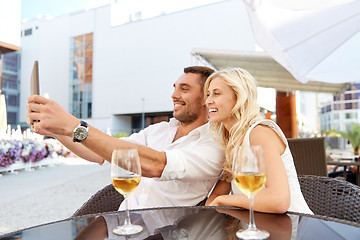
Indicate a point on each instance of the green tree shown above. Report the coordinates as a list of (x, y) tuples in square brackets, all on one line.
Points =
[(331, 133), (353, 135)]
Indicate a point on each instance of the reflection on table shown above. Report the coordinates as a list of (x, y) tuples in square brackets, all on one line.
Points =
[(190, 223)]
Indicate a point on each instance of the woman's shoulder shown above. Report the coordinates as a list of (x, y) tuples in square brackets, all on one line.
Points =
[(262, 127), (268, 126), (267, 134), (263, 133)]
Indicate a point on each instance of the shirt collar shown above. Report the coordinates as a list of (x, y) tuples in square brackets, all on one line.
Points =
[(174, 122), (199, 130)]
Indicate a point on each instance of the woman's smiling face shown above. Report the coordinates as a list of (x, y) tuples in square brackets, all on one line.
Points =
[(220, 101)]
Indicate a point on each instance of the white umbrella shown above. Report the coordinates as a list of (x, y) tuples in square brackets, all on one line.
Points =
[(315, 40)]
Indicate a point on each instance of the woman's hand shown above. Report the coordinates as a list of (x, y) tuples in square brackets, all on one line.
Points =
[(221, 188)]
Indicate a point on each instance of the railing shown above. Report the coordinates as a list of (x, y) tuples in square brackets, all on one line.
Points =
[(30, 166)]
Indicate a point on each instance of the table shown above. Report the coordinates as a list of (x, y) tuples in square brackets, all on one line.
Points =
[(346, 163), (199, 222)]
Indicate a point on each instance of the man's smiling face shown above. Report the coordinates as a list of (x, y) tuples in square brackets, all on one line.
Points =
[(188, 98)]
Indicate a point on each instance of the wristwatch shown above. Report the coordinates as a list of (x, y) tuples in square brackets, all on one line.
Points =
[(81, 132)]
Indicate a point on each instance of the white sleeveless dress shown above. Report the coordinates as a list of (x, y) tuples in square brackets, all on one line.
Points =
[(297, 203)]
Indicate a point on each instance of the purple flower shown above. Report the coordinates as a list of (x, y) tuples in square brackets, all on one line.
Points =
[(28, 151)]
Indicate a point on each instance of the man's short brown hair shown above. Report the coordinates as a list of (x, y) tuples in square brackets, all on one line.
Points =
[(205, 72)]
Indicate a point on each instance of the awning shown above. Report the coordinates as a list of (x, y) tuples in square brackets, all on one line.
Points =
[(7, 47), (266, 70)]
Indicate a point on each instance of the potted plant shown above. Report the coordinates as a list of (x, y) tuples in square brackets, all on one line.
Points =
[(353, 135)]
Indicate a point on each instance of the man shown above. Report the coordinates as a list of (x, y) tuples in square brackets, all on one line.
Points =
[(180, 161)]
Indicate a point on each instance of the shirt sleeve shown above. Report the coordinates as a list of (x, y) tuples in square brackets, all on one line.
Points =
[(142, 137), (199, 160), (137, 138)]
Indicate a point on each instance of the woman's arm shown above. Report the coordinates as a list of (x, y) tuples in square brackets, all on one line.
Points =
[(275, 197), (79, 150), (221, 188)]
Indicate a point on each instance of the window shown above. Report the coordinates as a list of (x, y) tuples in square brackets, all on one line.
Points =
[(348, 96), (350, 115), (328, 108), (136, 124), (12, 117), (28, 32), (337, 106), (348, 105), (13, 100), (355, 105), (81, 55), (11, 84), (356, 86)]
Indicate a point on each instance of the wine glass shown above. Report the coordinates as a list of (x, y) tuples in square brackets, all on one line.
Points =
[(249, 176), (125, 177)]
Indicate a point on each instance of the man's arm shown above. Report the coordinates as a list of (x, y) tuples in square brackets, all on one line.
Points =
[(55, 121), (152, 162)]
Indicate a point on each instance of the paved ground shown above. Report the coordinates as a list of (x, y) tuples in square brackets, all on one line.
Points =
[(48, 194)]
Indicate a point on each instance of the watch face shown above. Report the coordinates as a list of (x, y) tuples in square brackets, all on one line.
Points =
[(80, 133)]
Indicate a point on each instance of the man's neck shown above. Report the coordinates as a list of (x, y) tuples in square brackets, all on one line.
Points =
[(185, 128)]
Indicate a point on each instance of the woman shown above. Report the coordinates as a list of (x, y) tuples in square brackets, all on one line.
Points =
[(235, 119)]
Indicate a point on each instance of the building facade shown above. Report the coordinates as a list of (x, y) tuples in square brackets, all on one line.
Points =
[(342, 111), (10, 85), (122, 77)]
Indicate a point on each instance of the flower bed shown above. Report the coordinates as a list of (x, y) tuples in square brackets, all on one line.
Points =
[(28, 153)]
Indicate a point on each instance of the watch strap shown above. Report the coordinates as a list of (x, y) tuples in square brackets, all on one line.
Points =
[(81, 124)]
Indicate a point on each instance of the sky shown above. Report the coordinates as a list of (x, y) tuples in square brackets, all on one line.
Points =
[(31, 9)]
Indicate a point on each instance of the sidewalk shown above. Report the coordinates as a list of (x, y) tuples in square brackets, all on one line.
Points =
[(48, 194)]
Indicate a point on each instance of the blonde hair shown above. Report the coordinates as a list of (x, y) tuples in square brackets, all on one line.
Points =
[(246, 111)]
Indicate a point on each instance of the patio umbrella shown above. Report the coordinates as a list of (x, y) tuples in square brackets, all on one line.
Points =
[(315, 40), (3, 118)]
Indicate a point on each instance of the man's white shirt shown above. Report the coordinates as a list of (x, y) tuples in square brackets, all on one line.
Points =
[(194, 163)]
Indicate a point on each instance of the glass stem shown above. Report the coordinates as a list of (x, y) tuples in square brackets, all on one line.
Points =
[(127, 219), (252, 225)]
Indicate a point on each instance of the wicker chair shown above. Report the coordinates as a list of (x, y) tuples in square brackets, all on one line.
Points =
[(309, 155), (331, 197), (105, 200)]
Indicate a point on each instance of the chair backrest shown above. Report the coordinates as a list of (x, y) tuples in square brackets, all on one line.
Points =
[(331, 197), (105, 200), (309, 155)]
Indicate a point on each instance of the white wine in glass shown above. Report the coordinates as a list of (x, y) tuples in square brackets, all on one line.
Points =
[(249, 176), (126, 176)]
